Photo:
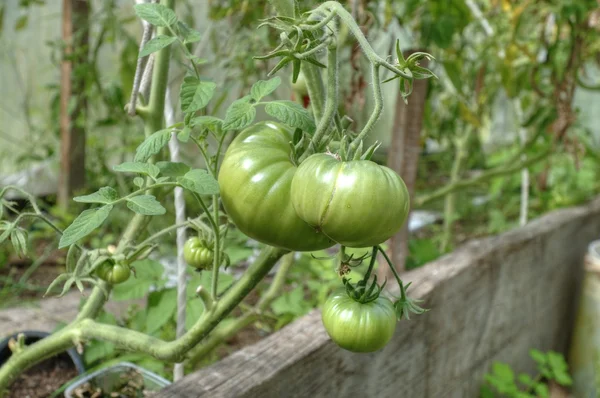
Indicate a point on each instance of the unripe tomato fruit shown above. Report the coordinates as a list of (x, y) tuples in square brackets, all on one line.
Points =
[(197, 254), (356, 326), (355, 203), (255, 180), (113, 273)]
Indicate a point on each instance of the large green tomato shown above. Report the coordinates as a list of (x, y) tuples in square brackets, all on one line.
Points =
[(356, 203), (255, 180), (356, 326)]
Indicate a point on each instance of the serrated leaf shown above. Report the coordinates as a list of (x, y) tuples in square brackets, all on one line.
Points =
[(161, 308), (6, 233), (240, 114), (292, 114), (199, 181), (146, 205), (541, 390), (156, 14), (538, 356), (262, 88), (137, 167), (209, 122), (157, 43), (195, 94), (152, 145), (85, 223), (173, 169), (503, 371), (104, 195), (189, 35)]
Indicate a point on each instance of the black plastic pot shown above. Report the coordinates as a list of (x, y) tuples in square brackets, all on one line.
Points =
[(31, 336), (108, 377)]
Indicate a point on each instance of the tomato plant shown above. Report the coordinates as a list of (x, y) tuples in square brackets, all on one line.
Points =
[(198, 253), (113, 273), (356, 326), (255, 180), (355, 203)]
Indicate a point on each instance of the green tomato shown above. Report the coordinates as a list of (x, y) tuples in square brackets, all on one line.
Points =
[(356, 203), (356, 326), (113, 273), (197, 254), (255, 180)]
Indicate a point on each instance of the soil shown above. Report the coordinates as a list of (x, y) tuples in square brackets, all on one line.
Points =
[(43, 379), (130, 385)]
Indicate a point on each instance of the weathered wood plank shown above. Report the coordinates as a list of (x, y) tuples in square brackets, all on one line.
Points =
[(491, 300)]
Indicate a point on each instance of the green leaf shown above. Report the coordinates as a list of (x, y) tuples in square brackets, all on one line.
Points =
[(152, 145), (525, 379), (187, 34), (240, 114), (503, 371), (137, 167), (262, 88), (98, 350), (292, 114), (157, 43), (146, 205), (172, 169), (193, 310), (156, 14), (161, 308), (541, 390), (85, 223), (199, 181), (18, 237), (147, 273), (21, 22), (184, 134), (209, 122), (105, 195), (291, 302), (538, 356), (138, 182), (195, 94)]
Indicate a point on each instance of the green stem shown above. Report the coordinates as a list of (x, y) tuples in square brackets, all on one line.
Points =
[(509, 168), (395, 272), (217, 251), (450, 200), (330, 105), (316, 89), (222, 333), (377, 109), (29, 196)]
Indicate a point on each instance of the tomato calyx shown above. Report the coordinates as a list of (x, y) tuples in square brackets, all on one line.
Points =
[(362, 291), (404, 305)]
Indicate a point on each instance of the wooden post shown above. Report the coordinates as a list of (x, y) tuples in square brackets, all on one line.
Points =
[(73, 102), (403, 157)]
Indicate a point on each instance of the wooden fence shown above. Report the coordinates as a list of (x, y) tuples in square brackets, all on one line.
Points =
[(491, 300)]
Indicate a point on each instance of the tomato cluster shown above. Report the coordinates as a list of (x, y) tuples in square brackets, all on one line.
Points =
[(312, 206)]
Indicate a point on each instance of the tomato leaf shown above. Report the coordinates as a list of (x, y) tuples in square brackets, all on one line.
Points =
[(85, 223), (188, 34), (18, 237), (240, 114), (193, 310), (172, 169), (262, 88), (152, 145), (195, 94), (104, 195), (161, 308), (292, 114), (156, 14), (199, 181), (210, 122), (184, 134), (157, 43), (137, 167), (146, 205)]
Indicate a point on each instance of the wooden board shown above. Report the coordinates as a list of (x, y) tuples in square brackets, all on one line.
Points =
[(491, 300)]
